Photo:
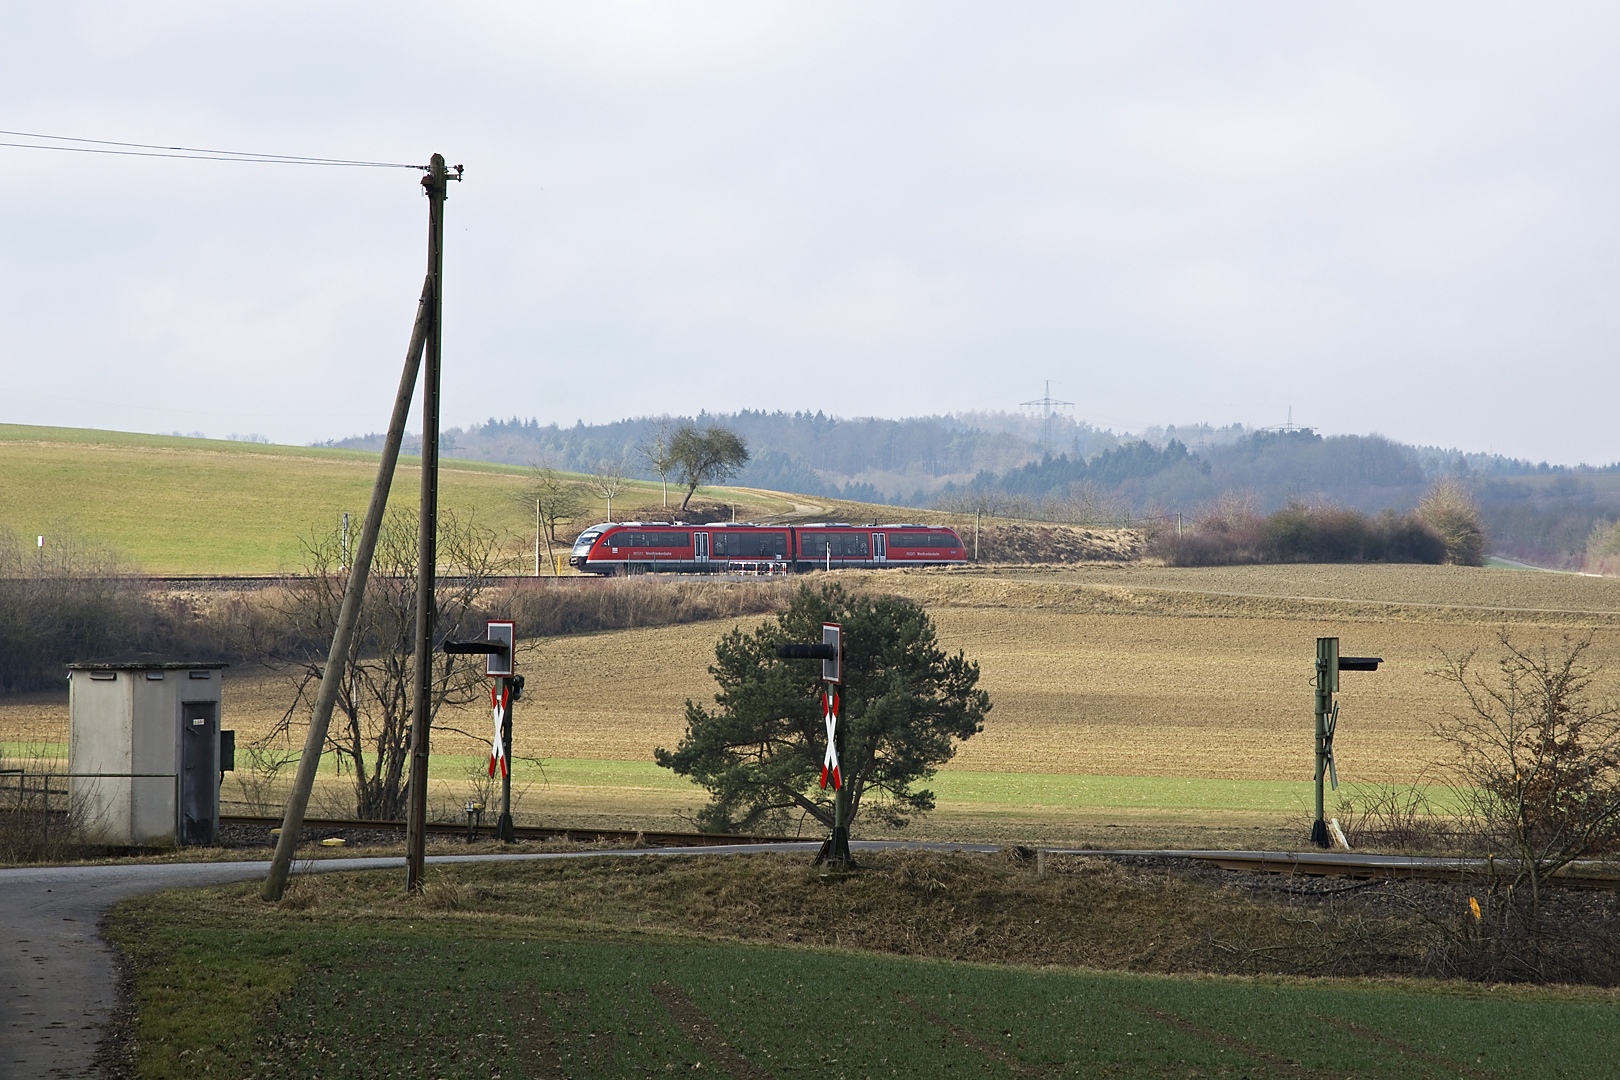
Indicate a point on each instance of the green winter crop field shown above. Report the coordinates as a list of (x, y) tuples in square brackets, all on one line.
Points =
[(603, 968)]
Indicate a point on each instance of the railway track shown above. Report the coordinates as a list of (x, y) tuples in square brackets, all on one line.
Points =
[(1583, 875), (524, 832), (1590, 875)]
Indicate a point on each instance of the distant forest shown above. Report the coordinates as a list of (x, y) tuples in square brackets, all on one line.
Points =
[(1062, 469)]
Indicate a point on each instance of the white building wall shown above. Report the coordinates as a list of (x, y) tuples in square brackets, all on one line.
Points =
[(100, 731), (130, 724)]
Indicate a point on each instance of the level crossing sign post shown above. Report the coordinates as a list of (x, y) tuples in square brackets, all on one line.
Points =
[(498, 649), (1328, 665), (830, 651)]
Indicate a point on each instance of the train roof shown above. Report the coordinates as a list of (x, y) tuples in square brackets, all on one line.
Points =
[(761, 525)]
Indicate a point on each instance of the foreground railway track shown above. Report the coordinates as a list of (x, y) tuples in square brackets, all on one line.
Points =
[(1583, 875), (1603, 876), (524, 832)]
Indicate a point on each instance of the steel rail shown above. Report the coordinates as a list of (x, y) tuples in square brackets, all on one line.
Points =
[(524, 832), (1584, 875)]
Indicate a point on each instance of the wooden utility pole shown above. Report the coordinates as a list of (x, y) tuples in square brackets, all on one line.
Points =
[(424, 338), (427, 551)]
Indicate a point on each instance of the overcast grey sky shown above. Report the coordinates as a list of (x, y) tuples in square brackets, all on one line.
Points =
[(1391, 217)]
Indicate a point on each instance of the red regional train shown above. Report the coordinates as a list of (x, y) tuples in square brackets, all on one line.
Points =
[(640, 546)]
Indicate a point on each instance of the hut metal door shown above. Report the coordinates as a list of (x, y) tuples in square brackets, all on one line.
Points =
[(199, 771)]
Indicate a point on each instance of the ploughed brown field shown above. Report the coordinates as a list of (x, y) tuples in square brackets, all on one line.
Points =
[(1099, 670)]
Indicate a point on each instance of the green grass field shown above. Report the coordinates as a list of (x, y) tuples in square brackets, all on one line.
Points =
[(427, 989), (208, 506), (1057, 809), (960, 789)]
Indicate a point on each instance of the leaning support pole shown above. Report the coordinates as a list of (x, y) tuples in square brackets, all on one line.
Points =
[(292, 822)]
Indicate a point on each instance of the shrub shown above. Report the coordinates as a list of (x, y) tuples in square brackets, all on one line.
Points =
[(1450, 510), (1536, 754), (1405, 539), (1603, 548), (1228, 536), (65, 601), (1536, 767)]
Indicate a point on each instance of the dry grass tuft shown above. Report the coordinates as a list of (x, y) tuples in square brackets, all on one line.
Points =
[(445, 894)]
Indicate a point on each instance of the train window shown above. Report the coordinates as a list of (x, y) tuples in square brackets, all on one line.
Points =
[(750, 545), (923, 540), (846, 545), (654, 539)]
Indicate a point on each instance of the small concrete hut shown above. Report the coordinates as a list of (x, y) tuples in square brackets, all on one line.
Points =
[(145, 750)]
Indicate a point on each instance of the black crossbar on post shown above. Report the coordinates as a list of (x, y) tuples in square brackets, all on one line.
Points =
[(1360, 663), (476, 648), (816, 651)]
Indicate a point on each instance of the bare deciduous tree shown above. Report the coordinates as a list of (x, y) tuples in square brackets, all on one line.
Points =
[(706, 456), (607, 480), (371, 725), (556, 501), (655, 450)]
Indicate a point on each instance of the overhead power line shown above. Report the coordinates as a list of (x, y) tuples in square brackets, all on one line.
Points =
[(190, 153)]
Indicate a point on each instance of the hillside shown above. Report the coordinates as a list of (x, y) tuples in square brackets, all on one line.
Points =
[(184, 506), (1055, 468), (208, 506)]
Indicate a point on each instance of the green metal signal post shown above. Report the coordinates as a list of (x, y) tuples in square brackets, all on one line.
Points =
[(1328, 665)]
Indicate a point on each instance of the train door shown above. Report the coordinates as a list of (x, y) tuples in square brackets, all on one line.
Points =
[(880, 548), (700, 548)]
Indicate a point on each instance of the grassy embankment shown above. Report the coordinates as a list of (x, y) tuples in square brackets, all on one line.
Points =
[(921, 966), (177, 506)]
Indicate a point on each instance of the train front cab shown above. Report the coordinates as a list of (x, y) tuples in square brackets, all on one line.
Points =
[(638, 546)]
